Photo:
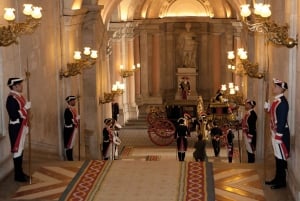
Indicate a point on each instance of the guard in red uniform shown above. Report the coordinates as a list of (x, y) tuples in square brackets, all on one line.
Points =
[(108, 138), (181, 134), (216, 133), (280, 133), (229, 139), (249, 129), (17, 108), (70, 128)]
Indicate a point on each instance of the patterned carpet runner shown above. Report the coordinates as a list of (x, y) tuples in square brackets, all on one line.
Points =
[(198, 182), (86, 181), (146, 174), (195, 181)]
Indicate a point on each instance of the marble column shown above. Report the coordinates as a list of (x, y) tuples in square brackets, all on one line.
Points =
[(131, 83), (204, 69), (169, 82), (144, 63), (116, 59), (216, 70), (238, 77), (137, 61), (156, 65), (131, 108), (115, 65)]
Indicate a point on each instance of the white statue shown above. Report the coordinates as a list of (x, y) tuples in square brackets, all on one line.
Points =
[(187, 47)]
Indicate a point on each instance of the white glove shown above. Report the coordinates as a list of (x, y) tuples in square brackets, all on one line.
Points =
[(27, 105), (116, 140), (267, 105), (78, 117), (277, 138)]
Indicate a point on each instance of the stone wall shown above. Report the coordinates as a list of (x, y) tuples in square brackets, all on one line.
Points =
[(44, 54)]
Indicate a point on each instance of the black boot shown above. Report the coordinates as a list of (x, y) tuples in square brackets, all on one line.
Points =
[(69, 153), (19, 175), (182, 156), (251, 158), (25, 175)]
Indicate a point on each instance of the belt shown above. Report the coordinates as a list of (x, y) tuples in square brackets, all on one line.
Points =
[(17, 121)]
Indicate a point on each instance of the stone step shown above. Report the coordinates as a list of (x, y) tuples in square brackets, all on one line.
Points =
[(135, 127), (136, 124), (140, 123)]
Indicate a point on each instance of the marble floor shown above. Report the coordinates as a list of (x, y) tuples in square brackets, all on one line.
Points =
[(235, 181)]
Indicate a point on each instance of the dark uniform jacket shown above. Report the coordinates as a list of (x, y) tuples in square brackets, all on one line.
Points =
[(182, 132), (18, 118), (249, 128), (279, 127), (71, 123)]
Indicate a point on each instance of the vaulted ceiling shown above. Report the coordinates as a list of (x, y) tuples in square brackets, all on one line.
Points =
[(128, 10)]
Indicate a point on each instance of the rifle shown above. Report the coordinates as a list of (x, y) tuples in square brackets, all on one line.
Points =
[(27, 73), (78, 112)]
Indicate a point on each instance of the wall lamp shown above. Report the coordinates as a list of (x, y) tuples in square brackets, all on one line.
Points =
[(231, 93), (126, 72), (260, 22), (248, 68), (117, 89), (9, 34), (81, 63)]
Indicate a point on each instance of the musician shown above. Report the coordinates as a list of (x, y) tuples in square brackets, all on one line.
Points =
[(17, 109)]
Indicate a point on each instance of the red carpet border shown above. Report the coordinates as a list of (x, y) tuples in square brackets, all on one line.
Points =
[(126, 151), (152, 158), (196, 182), (90, 175)]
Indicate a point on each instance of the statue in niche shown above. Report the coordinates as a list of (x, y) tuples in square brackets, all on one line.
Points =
[(187, 47), (185, 87)]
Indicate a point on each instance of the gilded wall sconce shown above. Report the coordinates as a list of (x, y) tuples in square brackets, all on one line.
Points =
[(128, 72), (231, 93), (87, 61), (259, 21), (9, 34), (248, 68), (117, 89)]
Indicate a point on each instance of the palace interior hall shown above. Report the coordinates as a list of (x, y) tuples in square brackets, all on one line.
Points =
[(159, 60)]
